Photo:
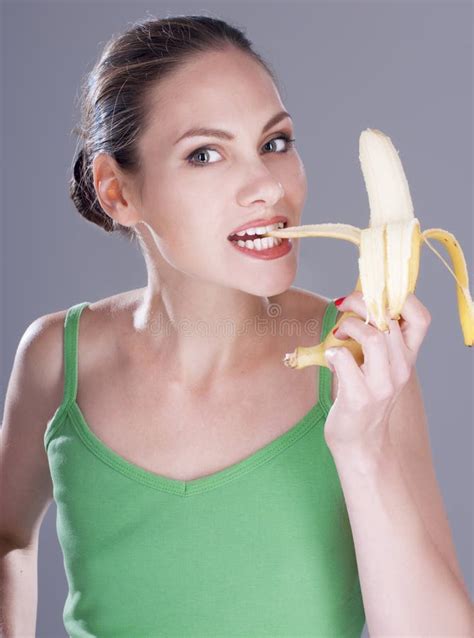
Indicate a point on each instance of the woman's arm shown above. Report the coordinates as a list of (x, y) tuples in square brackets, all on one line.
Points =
[(408, 573), (18, 590), (408, 587), (34, 392)]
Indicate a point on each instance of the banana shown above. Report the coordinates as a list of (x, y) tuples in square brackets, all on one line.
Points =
[(389, 251)]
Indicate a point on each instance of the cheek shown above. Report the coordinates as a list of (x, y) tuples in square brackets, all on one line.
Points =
[(296, 185), (191, 240), (168, 207), (197, 259)]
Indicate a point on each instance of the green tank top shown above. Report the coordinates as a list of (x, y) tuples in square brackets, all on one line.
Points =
[(262, 548)]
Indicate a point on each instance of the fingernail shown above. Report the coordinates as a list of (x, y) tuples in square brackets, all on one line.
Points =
[(339, 300), (334, 331)]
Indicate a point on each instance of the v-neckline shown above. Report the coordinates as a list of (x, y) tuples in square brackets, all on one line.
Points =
[(315, 415), (204, 483)]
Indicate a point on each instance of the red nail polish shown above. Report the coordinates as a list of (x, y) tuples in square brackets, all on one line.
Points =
[(334, 332), (338, 302)]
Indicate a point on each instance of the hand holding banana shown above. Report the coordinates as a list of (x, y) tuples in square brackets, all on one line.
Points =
[(366, 394), (389, 254)]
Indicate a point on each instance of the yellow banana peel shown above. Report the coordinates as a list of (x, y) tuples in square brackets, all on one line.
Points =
[(389, 251)]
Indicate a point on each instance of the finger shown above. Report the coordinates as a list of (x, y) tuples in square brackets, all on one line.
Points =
[(374, 347), (350, 380), (401, 358), (414, 318), (355, 303), (416, 321)]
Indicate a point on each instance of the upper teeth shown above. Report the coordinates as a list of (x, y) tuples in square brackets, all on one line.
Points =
[(260, 230)]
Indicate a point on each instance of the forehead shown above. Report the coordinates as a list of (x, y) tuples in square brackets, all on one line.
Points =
[(215, 89)]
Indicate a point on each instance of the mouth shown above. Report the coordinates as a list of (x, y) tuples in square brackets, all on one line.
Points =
[(257, 229)]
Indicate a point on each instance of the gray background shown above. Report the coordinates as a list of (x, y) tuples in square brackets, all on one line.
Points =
[(402, 67)]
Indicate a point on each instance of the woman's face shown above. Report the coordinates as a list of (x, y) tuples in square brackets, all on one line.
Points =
[(197, 190)]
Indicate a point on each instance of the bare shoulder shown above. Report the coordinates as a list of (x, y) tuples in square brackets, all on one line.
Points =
[(36, 379), (106, 322), (40, 352), (39, 355), (115, 304), (302, 304)]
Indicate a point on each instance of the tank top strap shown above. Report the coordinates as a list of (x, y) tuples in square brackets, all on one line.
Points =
[(71, 332), (325, 374)]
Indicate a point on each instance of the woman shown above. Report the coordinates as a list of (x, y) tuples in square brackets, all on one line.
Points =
[(203, 488)]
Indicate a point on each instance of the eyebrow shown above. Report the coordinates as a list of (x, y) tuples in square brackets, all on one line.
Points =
[(225, 135)]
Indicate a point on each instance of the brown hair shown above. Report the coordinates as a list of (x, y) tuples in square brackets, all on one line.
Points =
[(114, 95)]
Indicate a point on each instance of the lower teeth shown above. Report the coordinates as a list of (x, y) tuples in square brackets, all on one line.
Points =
[(252, 246)]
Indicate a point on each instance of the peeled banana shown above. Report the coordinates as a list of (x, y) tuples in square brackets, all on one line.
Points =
[(389, 250)]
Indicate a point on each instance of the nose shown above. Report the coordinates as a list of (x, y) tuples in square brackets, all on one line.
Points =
[(265, 189)]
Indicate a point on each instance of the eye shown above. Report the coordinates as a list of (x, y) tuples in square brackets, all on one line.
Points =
[(289, 143)]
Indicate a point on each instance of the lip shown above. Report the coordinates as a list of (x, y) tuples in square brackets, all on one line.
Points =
[(268, 254), (259, 222)]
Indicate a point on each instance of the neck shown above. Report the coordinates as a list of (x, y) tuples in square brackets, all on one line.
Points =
[(203, 332)]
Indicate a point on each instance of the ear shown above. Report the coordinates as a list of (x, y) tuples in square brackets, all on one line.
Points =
[(114, 190)]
